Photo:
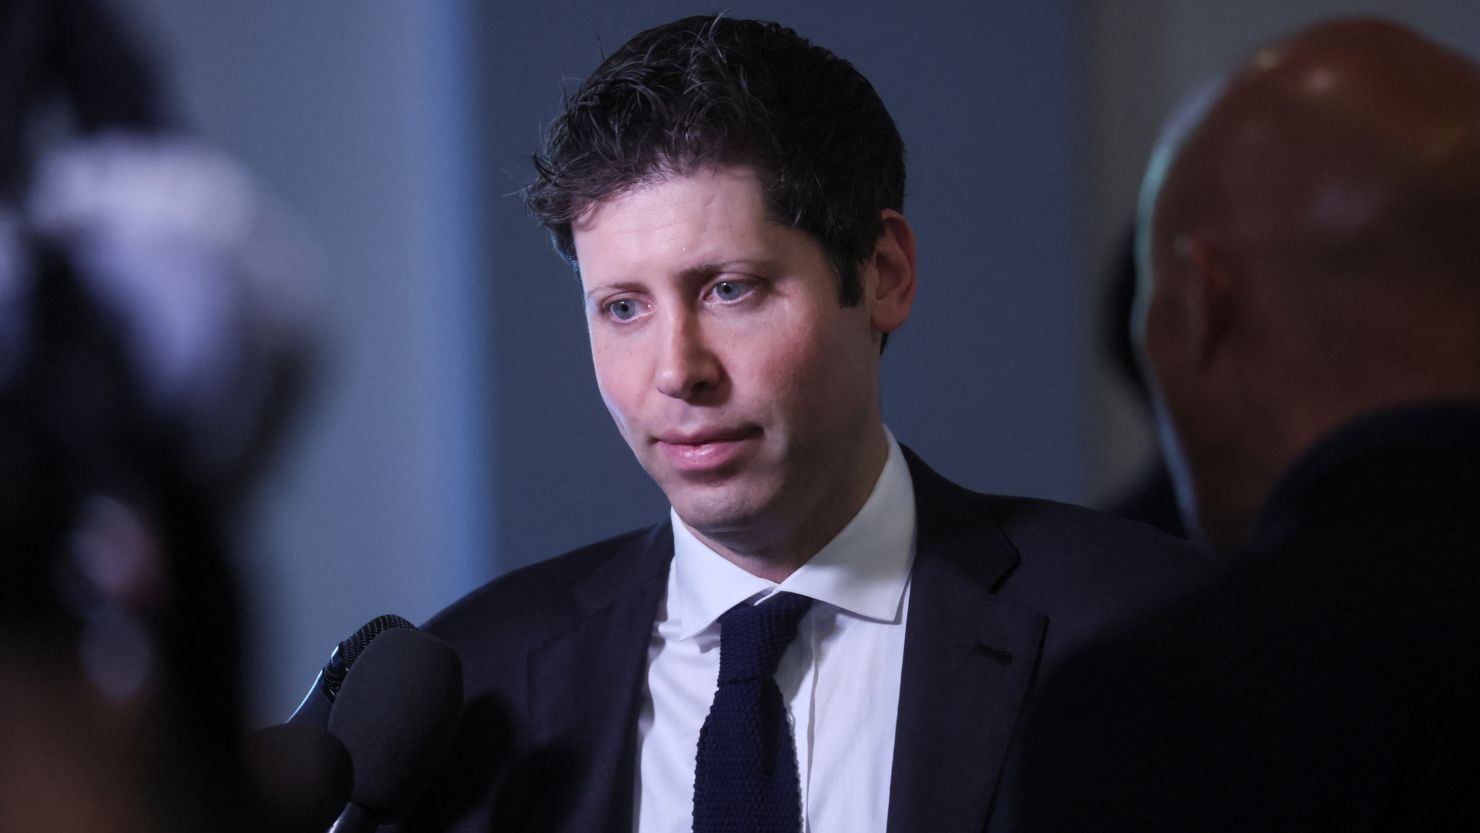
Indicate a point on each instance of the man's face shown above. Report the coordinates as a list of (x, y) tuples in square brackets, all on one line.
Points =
[(743, 386)]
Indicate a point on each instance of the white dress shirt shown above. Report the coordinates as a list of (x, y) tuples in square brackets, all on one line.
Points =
[(839, 679)]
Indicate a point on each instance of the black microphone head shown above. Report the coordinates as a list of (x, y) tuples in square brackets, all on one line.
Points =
[(303, 776), (396, 714), (319, 701), (349, 650)]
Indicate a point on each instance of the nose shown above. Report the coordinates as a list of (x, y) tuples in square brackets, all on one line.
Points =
[(687, 366)]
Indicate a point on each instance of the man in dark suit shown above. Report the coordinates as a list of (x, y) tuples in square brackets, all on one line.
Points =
[(1312, 318), (731, 198)]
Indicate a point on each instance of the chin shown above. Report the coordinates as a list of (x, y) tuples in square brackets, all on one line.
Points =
[(718, 509)]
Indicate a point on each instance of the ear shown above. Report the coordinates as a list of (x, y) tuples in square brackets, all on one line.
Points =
[(1208, 297), (892, 291)]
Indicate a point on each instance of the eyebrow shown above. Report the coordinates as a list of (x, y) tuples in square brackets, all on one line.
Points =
[(704, 271), (696, 274)]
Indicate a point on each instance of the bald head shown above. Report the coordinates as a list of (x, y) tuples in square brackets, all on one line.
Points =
[(1311, 252), (1348, 129)]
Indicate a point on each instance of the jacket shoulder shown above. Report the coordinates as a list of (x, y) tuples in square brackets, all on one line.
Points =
[(1090, 571), (1097, 543), (1056, 542)]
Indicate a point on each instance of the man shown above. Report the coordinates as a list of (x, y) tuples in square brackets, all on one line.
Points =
[(731, 197), (1312, 316)]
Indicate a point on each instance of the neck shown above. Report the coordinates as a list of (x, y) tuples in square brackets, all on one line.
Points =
[(773, 565)]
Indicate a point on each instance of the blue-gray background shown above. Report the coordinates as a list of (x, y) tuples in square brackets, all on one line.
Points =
[(458, 433)]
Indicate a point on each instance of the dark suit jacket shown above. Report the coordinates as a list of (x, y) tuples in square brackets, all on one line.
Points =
[(1330, 681), (555, 657)]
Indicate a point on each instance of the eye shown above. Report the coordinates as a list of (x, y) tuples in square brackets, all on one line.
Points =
[(731, 290), (622, 309)]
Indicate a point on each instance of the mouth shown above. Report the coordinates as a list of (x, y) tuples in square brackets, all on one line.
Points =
[(707, 451)]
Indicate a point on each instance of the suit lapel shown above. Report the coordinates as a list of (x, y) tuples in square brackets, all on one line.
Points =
[(969, 659), (584, 691)]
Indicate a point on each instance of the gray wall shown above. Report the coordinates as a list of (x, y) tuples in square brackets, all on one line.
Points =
[(363, 119), (458, 432)]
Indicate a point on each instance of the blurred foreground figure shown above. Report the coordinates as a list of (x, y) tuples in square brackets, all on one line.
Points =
[(1312, 318), (152, 334)]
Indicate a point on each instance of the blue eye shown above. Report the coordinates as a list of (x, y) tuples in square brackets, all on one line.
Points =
[(624, 309), (730, 290)]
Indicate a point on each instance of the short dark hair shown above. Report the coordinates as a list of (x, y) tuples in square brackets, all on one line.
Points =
[(711, 91)]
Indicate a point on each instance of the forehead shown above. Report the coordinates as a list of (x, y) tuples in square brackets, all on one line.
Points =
[(671, 224)]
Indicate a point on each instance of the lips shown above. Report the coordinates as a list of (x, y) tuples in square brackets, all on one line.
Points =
[(707, 451)]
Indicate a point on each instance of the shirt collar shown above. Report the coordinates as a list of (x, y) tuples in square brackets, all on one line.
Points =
[(863, 570)]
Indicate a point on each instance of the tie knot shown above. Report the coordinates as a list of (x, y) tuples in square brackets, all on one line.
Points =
[(753, 637)]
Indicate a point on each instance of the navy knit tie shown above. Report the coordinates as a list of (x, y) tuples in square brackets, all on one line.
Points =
[(745, 780)]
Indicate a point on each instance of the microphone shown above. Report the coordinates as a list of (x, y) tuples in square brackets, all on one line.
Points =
[(302, 775), (319, 700), (396, 713)]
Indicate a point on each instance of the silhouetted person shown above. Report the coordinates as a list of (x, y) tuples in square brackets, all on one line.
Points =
[(1312, 318)]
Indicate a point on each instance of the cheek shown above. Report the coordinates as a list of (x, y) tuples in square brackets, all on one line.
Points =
[(615, 379), (781, 353), (1176, 383), (816, 372), (1159, 338)]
